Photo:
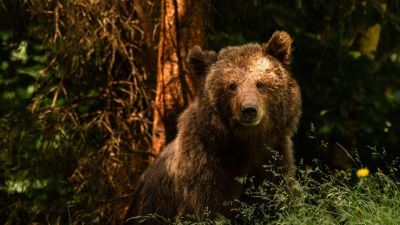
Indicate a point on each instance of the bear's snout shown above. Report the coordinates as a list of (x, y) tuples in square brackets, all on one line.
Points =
[(249, 111), (250, 115)]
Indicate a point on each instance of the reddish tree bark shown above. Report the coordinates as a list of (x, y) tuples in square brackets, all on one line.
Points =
[(182, 25)]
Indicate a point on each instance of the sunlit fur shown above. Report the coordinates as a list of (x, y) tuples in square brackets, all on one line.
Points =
[(215, 142)]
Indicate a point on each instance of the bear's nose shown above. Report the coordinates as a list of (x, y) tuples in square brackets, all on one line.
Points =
[(249, 111)]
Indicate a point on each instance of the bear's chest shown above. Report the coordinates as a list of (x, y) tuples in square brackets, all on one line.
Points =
[(242, 158)]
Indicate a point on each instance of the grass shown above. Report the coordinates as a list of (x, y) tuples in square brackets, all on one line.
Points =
[(315, 197), (319, 198)]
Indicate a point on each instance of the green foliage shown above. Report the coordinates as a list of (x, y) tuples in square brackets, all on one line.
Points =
[(371, 200), (204, 219), (314, 197), (74, 115), (20, 67)]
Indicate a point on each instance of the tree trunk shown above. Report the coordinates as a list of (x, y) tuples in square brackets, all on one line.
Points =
[(181, 27)]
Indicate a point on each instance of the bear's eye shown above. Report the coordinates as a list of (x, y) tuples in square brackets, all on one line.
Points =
[(260, 85), (232, 87)]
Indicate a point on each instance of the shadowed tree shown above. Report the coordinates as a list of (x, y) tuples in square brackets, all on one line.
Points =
[(182, 25)]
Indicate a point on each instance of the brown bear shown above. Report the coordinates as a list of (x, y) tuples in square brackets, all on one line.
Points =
[(247, 105)]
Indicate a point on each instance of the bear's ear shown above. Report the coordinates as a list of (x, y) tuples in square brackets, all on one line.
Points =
[(280, 47), (199, 61)]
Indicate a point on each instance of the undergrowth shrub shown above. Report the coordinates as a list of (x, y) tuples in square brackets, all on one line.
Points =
[(313, 197), (320, 198)]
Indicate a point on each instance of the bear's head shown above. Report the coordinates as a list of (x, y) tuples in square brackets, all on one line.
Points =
[(250, 86)]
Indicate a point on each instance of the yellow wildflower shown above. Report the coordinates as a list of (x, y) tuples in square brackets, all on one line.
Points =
[(357, 212), (362, 172)]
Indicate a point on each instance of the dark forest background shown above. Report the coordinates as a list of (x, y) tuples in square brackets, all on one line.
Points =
[(85, 106)]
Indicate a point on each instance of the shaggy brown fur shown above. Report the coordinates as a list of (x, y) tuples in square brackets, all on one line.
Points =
[(248, 102)]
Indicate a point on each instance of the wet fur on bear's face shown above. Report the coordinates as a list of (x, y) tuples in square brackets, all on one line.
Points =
[(246, 84)]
